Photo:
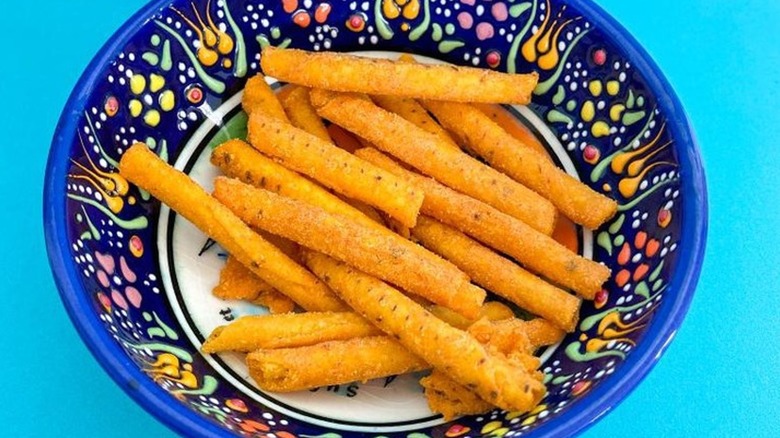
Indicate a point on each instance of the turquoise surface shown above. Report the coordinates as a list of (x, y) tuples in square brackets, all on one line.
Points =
[(717, 379)]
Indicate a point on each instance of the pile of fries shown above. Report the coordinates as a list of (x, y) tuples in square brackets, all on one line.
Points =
[(372, 255)]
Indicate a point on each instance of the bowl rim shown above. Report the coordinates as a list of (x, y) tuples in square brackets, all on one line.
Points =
[(603, 398)]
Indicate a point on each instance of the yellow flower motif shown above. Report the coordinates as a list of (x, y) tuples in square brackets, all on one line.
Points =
[(145, 91), (613, 88), (494, 429), (392, 9), (596, 87), (538, 413)]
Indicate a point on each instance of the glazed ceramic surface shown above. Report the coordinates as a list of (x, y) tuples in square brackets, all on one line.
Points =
[(136, 278)]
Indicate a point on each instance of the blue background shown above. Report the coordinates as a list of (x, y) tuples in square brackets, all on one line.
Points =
[(719, 377)]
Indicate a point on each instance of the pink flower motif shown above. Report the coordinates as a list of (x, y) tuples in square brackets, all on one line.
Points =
[(468, 2), (133, 296), (485, 31), (118, 299), (126, 272), (465, 20), (103, 278), (499, 11), (106, 261), (108, 278)]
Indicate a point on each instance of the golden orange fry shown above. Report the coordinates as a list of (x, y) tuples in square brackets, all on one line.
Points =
[(330, 363), (239, 283), (498, 274), (503, 338), (536, 251), (287, 246), (483, 136), (450, 399), (495, 311), (540, 332), (250, 333), (516, 335), (259, 96), (446, 348), (366, 210), (407, 58), (275, 302), (397, 227), (339, 72), (378, 251), (334, 167), (490, 310), (343, 138), (239, 160), (302, 115), (510, 339), (236, 282), (431, 156), (412, 111), (172, 187), (393, 224), (515, 127)]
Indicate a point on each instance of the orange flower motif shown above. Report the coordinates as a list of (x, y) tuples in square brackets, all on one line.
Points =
[(303, 17), (253, 426), (641, 244)]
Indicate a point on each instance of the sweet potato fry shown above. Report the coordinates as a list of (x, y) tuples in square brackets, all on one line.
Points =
[(504, 152), (397, 227), (236, 282), (239, 160), (287, 246), (498, 274), (513, 126), (343, 138), (330, 363), (275, 302), (259, 96), (300, 330), (143, 168), (491, 310), (516, 335), (407, 58), (446, 348), (250, 333), (536, 333), (335, 168), (495, 311), (379, 252), (412, 111), (450, 399), (506, 339), (510, 339), (425, 152), (239, 283), (302, 115), (332, 71), (366, 209), (536, 251), (540, 332)]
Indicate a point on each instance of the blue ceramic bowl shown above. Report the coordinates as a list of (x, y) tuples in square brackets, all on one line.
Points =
[(135, 280)]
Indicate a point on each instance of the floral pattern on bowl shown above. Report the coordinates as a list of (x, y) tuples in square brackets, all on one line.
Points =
[(171, 72)]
